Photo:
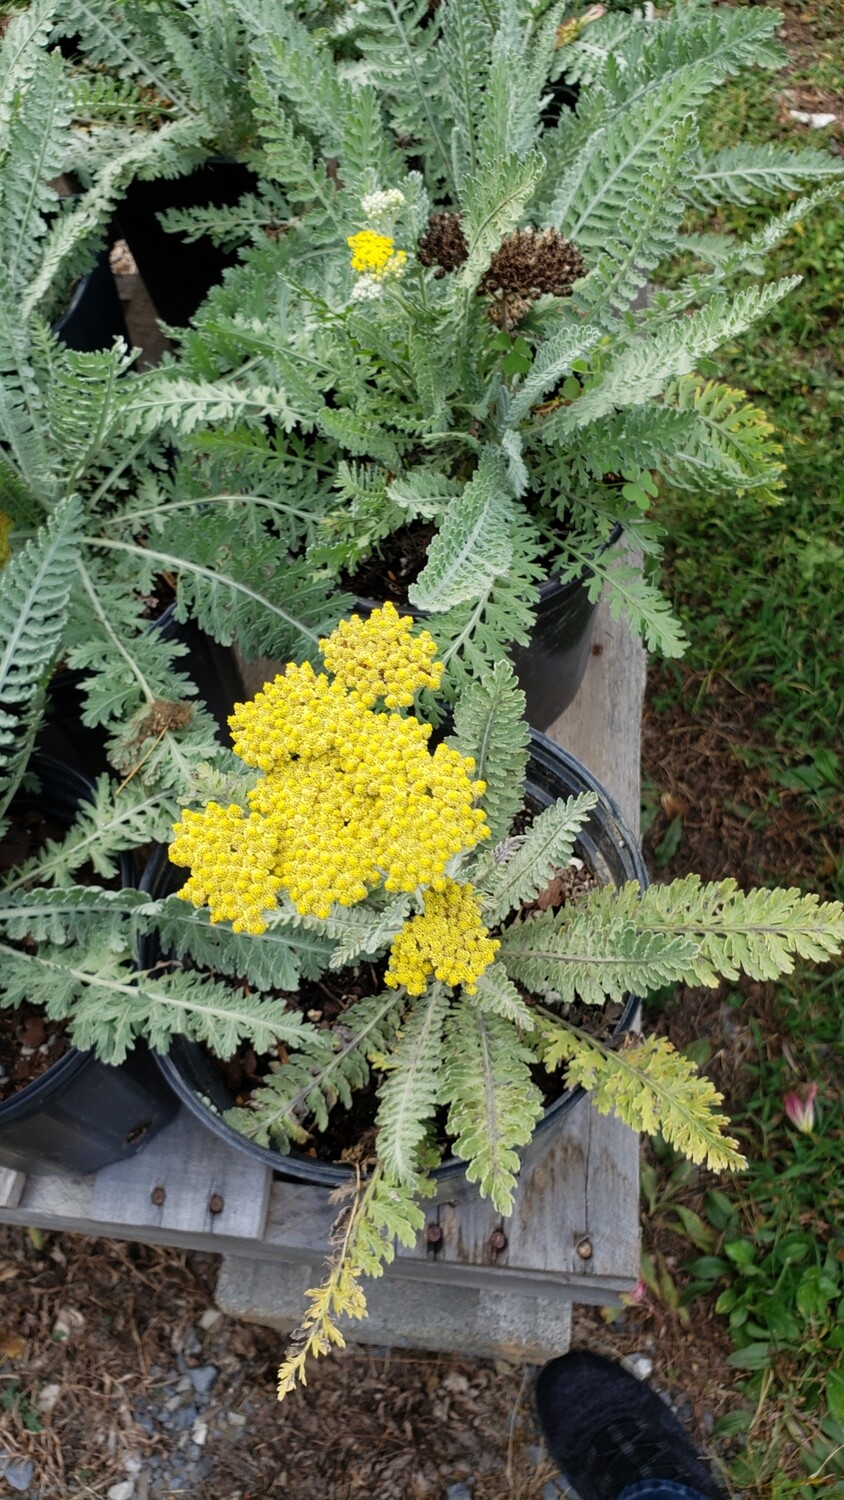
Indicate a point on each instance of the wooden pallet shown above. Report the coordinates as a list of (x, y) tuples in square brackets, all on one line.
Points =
[(475, 1283)]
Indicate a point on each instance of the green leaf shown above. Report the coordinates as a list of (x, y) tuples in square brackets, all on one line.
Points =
[(494, 200), (34, 595), (412, 1085), (489, 726), (472, 546), (493, 1103), (835, 1395), (528, 864)]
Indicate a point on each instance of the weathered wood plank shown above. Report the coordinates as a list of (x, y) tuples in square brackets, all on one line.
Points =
[(11, 1187), (186, 1180)]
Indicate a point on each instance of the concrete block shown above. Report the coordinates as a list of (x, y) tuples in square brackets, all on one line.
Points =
[(405, 1314)]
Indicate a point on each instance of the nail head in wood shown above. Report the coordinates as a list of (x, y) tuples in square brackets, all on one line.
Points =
[(216, 1204), (497, 1241), (434, 1234), (158, 1195), (584, 1247)]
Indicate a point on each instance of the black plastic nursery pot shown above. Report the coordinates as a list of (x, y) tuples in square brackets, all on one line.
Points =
[(179, 274), (552, 666), (80, 1115), (604, 842), (94, 317)]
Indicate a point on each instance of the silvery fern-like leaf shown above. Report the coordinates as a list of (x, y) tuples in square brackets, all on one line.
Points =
[(493, 1102), (34, 593), (77, 913), (413, 1083), (642, 368), (473, 543), (109, 1007), (646, 232), (110, 35), (424, 494), (112, 823), (489, 726), (546, 848), (744, 174), (272, 960), (628, 592), (552, 363), (317, 1076), (367, 930), (494, 201), (462, 53), (21, 55), (758, 932), (496, 995), (593, 954), (652, 1088), (34, 152)]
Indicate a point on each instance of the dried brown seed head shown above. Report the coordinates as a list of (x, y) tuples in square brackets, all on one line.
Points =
[(443, 244), (529, 263)]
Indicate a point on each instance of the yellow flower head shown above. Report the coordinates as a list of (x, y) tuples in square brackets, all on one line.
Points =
[(231, 858), (375, 255), (380, 657), (349, 799), (6, 529), (448, 940)]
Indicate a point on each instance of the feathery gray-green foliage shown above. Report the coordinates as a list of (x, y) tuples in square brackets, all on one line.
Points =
[(523, 441)]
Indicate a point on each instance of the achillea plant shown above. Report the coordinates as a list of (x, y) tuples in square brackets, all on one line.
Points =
[(444, 272), (355, 830), (336, 835)]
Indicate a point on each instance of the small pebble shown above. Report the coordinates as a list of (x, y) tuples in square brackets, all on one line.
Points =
[(185, 1384), (202, 1378), (535, 1453), (639, 1365), (210, 1318), (200, 1431), (19, 1473), (236, 1419), (184, 1418), (458, 1492), (123, 1491)]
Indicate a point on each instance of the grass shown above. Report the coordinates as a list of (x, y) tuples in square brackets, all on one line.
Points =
[(761, 592)]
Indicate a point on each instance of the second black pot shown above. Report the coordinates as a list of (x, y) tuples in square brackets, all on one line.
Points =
[(179, 274), (80, 1115)]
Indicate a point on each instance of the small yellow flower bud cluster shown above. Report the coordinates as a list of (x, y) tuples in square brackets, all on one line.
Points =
[(6, 528), (448, 940), (390, 665), (231, 857), (349, 799), (375, 254)]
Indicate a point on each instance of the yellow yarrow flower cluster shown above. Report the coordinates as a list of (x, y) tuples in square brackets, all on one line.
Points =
[(231, 858), (391, 666), (448, 940), (6, 528), (375, 254), (349, 799)]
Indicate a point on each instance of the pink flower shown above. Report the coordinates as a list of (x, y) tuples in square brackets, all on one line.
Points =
[(801, 1112), (631, 1298)]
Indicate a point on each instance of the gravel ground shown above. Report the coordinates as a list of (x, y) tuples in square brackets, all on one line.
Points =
[(120, 1380)]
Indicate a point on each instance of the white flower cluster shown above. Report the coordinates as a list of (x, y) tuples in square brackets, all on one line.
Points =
[(367, 289), (381, 208)]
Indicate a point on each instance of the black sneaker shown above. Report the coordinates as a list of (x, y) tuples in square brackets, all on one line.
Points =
[(607, 1430)]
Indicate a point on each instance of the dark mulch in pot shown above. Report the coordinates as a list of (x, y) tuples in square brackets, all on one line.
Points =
[(29, 1045), (389, 571)]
